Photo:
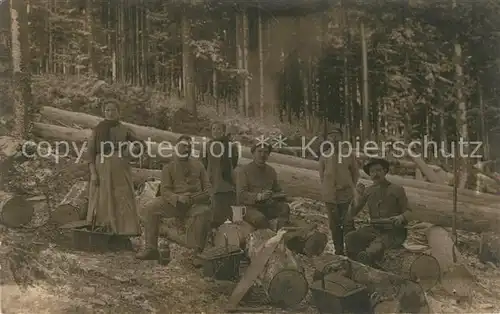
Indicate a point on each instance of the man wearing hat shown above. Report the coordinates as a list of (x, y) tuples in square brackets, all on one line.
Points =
[(389, 213), (257, 188), (338, 176)]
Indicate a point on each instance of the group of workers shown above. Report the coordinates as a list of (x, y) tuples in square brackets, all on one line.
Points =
[(191, 186)]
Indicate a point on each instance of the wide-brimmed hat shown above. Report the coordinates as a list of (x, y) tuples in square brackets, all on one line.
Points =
[(376, 161)]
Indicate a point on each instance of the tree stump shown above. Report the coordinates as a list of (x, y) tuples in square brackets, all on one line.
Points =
[(236, 234), (456, 279), (306, 240), (15, 210), (489, 248), (283, 277), (74, 206)]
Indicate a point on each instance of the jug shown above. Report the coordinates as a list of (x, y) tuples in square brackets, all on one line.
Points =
[(238, 213)]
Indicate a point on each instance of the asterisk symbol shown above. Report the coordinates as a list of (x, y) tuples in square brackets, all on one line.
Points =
[(280, 141), (262, 141)]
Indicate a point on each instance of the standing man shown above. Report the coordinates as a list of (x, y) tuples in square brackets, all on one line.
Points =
[(184, 192), (258, 189), (338, 176), (389, 214), (220, 157)]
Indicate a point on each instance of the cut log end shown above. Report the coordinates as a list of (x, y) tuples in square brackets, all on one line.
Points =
[(425, 270), (315, 244), (15, 211), (288, 288), (66, 213)]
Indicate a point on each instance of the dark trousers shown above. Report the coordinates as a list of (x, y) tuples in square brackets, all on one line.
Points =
[(221, 207), (374, 241), (196, 217), (259, 216), (336, 215)]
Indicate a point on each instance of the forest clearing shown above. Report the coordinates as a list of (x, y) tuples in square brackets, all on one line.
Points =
[(385, 72)]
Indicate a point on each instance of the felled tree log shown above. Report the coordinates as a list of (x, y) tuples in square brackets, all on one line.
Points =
[(489, 248), (383, 285), (418, 267), (15, 210), (74, 205), (157, 135), (436, 210), (283, 277), (456, 279), (427, 204), (307, 240), (234, 233)]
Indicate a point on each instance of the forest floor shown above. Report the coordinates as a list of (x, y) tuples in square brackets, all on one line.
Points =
[(40, 273)]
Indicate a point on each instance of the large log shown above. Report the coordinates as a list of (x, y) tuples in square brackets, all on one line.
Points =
[(74, 205), (436, 210), (428, 204), (283, 277), (157, 135), (15, 210), (306, 240), (408, 295), (456, 279)]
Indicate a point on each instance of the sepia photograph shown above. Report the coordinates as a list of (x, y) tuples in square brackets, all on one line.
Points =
[(249, 156)]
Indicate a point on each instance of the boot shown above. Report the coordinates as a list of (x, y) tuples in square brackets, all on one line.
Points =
[(152, 229), (338, 240)]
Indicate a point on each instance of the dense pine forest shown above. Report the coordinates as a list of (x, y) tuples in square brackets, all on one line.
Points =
[(388, 68)]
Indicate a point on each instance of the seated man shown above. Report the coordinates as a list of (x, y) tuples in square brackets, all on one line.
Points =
[(389, 213), (257, 188), (184, 192)]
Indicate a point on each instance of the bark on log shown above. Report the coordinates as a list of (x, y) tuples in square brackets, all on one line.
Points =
[(283, 277), (74, 205), (456, 279), (489, 248), (386, 286), (307, 240), (235, 233), (15, 210)]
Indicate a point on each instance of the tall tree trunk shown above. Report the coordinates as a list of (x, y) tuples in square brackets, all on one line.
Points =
[(188, 66), (484, 131), (462, 130), (92, 64), (239, 60), (261, 67), (21, 68), (245, 62), (366, 112)]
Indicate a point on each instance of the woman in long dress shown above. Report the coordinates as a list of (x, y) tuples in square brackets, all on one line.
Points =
[(112, 205)]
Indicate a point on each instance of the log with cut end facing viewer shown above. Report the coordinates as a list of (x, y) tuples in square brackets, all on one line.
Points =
[(15, 210), (383, 285), (74, 205), (283, 277)]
